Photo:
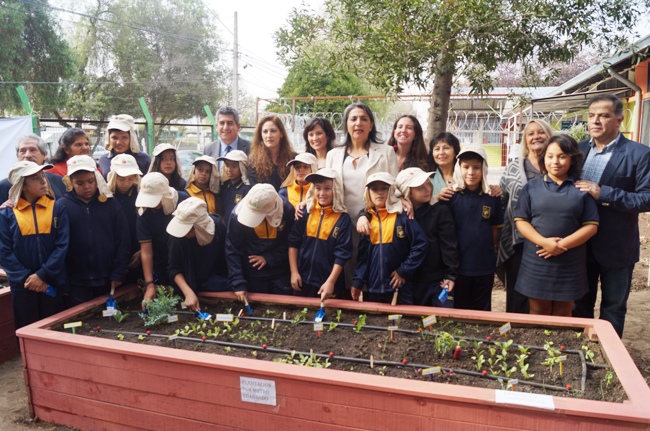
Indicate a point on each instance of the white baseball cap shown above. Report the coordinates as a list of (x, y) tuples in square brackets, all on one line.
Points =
[(125, 165), (261, 201)]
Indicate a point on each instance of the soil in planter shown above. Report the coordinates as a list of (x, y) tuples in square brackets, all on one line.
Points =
[(411, 352)]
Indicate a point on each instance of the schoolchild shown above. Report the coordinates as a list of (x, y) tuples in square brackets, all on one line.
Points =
[(478, 218), (393, 251), (556, 219), (121, 138), (295, 187), (196, 251), (99, 248), (320, 242), (156, 202), (256, 244), (124, 181), (204, 182), (235, 182), (166, 161), (33, 243), (440, 266)]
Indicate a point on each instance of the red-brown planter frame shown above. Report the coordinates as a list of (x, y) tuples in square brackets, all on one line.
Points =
[(95, 383), (8, 343)]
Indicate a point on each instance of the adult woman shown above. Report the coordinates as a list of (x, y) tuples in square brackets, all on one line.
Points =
[(408, 141), (361, 155), (443, 149), (121, 139), (319, 138), (270, 152), (166, 161), (73, 142), (516, 175)]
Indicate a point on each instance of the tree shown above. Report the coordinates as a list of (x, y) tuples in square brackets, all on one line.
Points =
[(429, 42), (32, 50)]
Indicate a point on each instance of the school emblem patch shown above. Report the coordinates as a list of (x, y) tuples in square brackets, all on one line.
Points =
[(400, 232), (282, 225), (238, 198), (335, 232), (486, 211)]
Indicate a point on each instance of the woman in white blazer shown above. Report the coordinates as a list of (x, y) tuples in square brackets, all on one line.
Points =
[(362, 154)]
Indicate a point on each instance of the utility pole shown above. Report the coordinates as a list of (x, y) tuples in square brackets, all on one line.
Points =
[(235, 69)]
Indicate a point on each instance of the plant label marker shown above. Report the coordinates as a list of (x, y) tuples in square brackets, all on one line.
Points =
[(429, 321), (372, 364), (561, 360), (273, 323), (503, 330), (240, 312), (392, 330), (225, 317), (173, 338), (284, 315), (183, 306), (512, 383), (72, 325), (318, 327), (431, 372), (172, 319), (109, 312)]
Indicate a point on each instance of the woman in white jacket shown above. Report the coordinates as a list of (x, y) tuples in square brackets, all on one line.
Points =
[(361, 155)]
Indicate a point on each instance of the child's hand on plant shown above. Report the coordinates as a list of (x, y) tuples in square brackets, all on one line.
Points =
[(396, 280), (363, 226), (296, 281), (550, 247), (192, 301), (258, 262), (149, 295), (447, 284), (326, 290)]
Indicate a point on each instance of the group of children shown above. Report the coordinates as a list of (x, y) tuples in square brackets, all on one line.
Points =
[(219, 232)]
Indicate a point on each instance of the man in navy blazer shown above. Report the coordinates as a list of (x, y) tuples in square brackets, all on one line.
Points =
[(616, 173), (228, 128)]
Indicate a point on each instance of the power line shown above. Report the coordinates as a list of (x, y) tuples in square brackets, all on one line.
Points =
[(100, 82)]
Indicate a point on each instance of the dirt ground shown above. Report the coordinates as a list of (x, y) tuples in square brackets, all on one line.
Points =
[(13, 397)]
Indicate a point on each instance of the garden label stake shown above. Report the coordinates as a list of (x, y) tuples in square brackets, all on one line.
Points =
[(72, 325), (431, 372), (318, 327), (172, 338), (372, 364), (110, 302), (561, 360), (429, 321), (320, 313), (109, 312), (393, 319), (503, 330), (273, 323), (512, 383), (284, 315), (172, 319), (224, 317), (240, 312)]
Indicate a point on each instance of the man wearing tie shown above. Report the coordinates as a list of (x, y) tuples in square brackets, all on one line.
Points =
[(228, 130)]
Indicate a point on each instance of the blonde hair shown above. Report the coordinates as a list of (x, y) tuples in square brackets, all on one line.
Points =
[(524, 143)]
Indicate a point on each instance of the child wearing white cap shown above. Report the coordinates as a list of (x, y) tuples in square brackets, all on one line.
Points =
[(204, 182), (320, 242), (123, 181), (99, 249), (235, 182), (33, 243), (256, 244), (294, 189), (156, 202), (122, 139), (440, 266), (393, 251), (196, 262), (166, 161)]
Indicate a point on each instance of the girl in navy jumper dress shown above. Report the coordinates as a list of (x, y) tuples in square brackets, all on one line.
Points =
[(556, 219)]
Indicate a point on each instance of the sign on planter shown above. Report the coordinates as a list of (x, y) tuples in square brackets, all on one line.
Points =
[(258, 391)]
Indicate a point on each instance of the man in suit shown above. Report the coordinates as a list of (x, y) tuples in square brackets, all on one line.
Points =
[(228, 128), (33, 148), (616, 173)]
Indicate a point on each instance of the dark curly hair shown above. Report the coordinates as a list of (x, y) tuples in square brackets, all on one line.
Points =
[(449, 138), (327, 128), (570, 147)]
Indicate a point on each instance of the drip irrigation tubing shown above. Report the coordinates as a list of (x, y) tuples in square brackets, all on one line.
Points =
[(347, 358)]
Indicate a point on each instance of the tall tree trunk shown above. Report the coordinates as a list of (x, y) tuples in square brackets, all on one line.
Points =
[(439, 104)]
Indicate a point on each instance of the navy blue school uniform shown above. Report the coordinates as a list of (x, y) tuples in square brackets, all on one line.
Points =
[(127, 201), (475, 214), (441, 260), (99, 249), (34, 240), (142, 159), (323, 239), (395, 243), (264, 240), (229, 196), (554, 211), (202, 266)]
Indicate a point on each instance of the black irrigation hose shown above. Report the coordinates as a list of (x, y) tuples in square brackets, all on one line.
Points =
[(347, 358)]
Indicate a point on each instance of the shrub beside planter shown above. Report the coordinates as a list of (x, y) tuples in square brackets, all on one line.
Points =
[(8, 344), (95, 383)]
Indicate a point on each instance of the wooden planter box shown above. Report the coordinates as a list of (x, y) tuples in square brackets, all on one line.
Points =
[(105, 384), (8, 344)]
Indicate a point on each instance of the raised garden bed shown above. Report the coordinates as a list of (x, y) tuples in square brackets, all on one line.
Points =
[(8, 342), (92, 382)]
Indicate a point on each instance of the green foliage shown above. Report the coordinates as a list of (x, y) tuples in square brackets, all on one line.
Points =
[(443, 343), (119, 316), (361, 321), (304, 360), (300, 317), (161, 307), (579, 133), (589, 354)]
